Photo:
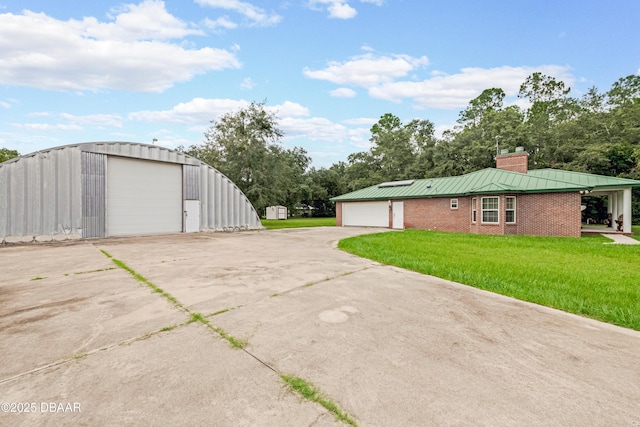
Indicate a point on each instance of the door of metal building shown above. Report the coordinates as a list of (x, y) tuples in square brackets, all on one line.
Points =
[(191, 216), (143, 197)]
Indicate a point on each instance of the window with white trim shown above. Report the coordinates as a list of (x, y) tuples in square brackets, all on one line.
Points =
[(474, 209), (454, 203), (490, 210), (510, 210)]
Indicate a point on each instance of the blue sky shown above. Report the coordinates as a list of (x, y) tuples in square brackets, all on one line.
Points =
[(133, 71)]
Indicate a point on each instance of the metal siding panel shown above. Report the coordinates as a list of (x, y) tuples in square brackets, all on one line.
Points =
[(75, 196), (49, 193), (204, 198), (213, 192), (18, 215), (93, 194), (229, 204), (38, 202), (218, 201), (191, 182), (5, 185)]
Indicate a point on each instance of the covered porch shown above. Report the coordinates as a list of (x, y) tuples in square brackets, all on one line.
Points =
[(618, 204)]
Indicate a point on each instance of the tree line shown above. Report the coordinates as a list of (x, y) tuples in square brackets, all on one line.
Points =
[(598, 132)]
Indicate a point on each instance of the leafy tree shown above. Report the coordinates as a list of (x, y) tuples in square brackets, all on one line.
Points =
[(625, 91), (245, 146), (398, 151), (550, 106), (488, 100), (322, 184), (6, 154), (363, 171)]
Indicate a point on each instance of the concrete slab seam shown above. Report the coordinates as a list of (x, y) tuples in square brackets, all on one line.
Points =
[(83, 355), (326, 279), (297, 384)]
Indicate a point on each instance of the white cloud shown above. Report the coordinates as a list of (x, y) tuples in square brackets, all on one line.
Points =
[(148, 20), (343, 92), (256, 15), (202, 110), (456, 90), (99, 120), (368, 121), (247, 83), (386, 77), (70, 122), (9, 103), (293, 118), (43, 52), (48, 127), (196, 111), (368, 70), (222, 22), (314, 129), (288, 109), (341, 10)]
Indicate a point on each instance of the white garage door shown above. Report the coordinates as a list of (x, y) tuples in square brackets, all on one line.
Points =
[(143, 197), (366, 214)]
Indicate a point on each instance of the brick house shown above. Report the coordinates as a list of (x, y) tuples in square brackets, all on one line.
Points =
[(508, 199)]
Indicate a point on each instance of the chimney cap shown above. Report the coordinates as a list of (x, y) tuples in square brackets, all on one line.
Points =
[(519, 149)]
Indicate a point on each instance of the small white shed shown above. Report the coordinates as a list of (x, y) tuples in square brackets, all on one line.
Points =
[(277, 212)]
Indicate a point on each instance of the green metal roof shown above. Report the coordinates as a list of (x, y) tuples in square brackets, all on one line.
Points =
[(489, 181), (596, 182)]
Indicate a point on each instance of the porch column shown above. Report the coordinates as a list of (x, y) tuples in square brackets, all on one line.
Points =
[(613, 208), (626, 210)]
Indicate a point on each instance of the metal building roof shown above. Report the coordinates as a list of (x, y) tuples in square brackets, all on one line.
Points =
[(489, 181)]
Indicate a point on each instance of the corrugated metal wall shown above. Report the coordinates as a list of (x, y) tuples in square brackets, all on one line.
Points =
[(191, 182), (40, 196), (223, 206), (60, 193), (94, 194)]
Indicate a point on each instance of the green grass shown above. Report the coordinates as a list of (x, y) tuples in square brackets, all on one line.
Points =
[(581, 276), (274, 224), (309, 392)]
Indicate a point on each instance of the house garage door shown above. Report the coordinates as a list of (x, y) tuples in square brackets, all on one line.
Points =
[(143, 197), (366, 214)]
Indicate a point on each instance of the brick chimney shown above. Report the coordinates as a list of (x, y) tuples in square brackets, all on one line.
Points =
[(514, 162)]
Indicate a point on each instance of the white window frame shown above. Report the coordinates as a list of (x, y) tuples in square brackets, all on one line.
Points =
[(506, 209), (453, 203), (474, 210), (483, 210)]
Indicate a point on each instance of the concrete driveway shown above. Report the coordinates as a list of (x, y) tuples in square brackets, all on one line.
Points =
[(84, 342)]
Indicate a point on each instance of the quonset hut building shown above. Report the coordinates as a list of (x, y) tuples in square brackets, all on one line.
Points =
[(106, 189)]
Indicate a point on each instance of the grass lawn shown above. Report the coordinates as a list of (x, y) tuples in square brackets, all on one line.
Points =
[(581, 276), (273, 224)]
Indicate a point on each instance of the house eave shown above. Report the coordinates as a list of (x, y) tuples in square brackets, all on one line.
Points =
[(472, 193)]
